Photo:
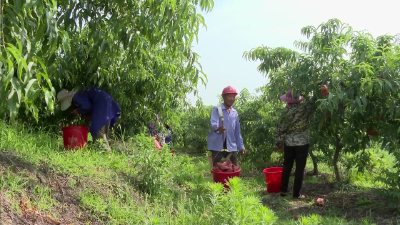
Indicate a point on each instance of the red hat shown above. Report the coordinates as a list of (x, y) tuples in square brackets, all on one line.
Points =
[(229, 90)]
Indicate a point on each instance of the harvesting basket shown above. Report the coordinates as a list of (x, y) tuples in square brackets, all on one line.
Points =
[(372, 132), (75, 136), (273, 177), (223, 177)]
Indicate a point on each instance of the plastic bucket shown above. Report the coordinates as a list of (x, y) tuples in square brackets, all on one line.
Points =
[(372, 132), (223, 177), (273, 176), (75, 136)]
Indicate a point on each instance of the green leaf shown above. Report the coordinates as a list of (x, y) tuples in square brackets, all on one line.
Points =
[(28, 45), (28, 87), (29, 67), (35, 112), (49, 99), (163, 6), (12, 16), (93, 67), (18, 5), (51, 60), (14, 51), (41, 63), (41, 31), (389, 85), (103, 47), (46, 77), (12, 103), (17, 87), (364, 100), (392, 106), (39, 77), (8, 78), (19, 69), (19, 46), (359, 105), (29, 3)]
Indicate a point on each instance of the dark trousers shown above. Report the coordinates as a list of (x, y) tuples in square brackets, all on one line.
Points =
[(290, 154), (217, 156)]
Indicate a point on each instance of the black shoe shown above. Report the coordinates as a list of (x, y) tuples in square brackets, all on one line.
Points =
[(283, 194)]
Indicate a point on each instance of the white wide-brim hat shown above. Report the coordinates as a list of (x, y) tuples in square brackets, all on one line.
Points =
[(65, 98)]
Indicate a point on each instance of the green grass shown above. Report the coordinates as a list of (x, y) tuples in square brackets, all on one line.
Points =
[(137, 184)]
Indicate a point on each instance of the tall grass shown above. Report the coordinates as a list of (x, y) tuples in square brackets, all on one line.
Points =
[(136, 184)]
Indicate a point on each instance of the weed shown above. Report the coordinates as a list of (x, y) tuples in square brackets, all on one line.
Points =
[(12, 184), (237, 206)]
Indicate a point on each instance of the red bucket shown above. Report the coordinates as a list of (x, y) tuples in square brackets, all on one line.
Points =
[(75, 136), (273, 176), (223, 177)]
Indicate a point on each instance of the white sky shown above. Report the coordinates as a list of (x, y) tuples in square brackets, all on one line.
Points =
[(236, 26)]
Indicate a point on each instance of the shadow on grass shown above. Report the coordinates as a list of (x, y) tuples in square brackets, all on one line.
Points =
[(15, 163), (68, 206), (20, 167)]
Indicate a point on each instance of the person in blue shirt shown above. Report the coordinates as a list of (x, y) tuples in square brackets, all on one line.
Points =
[(96, 105), (226, 136)]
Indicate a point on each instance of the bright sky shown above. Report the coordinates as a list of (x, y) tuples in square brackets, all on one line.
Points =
[(236, 26)]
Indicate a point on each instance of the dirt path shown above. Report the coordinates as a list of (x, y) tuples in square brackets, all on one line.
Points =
[(352, 204)]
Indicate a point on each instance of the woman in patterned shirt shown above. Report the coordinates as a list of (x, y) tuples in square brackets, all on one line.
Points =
[(292, 136)]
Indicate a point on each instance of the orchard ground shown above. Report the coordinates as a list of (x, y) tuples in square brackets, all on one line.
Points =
[(44, 184)]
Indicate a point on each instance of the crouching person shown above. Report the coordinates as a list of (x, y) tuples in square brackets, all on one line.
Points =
[(96, 106)]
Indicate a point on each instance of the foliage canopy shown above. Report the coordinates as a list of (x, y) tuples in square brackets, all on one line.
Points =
[(138, 51)]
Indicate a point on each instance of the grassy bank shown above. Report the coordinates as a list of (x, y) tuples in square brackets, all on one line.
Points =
[(43, 183)]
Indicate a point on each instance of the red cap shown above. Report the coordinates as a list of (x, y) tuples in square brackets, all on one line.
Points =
[(229, 90)]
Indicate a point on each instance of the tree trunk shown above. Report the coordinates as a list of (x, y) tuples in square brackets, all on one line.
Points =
[(336, 159), (315, 163)]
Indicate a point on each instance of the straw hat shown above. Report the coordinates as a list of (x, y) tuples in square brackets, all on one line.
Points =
[(65, 97)]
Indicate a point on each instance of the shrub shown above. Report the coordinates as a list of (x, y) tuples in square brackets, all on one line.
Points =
[(238, 207)]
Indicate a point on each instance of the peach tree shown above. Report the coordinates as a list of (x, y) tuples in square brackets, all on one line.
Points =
[(257, 119), (362, 75), (194, 126), (139, 51)]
